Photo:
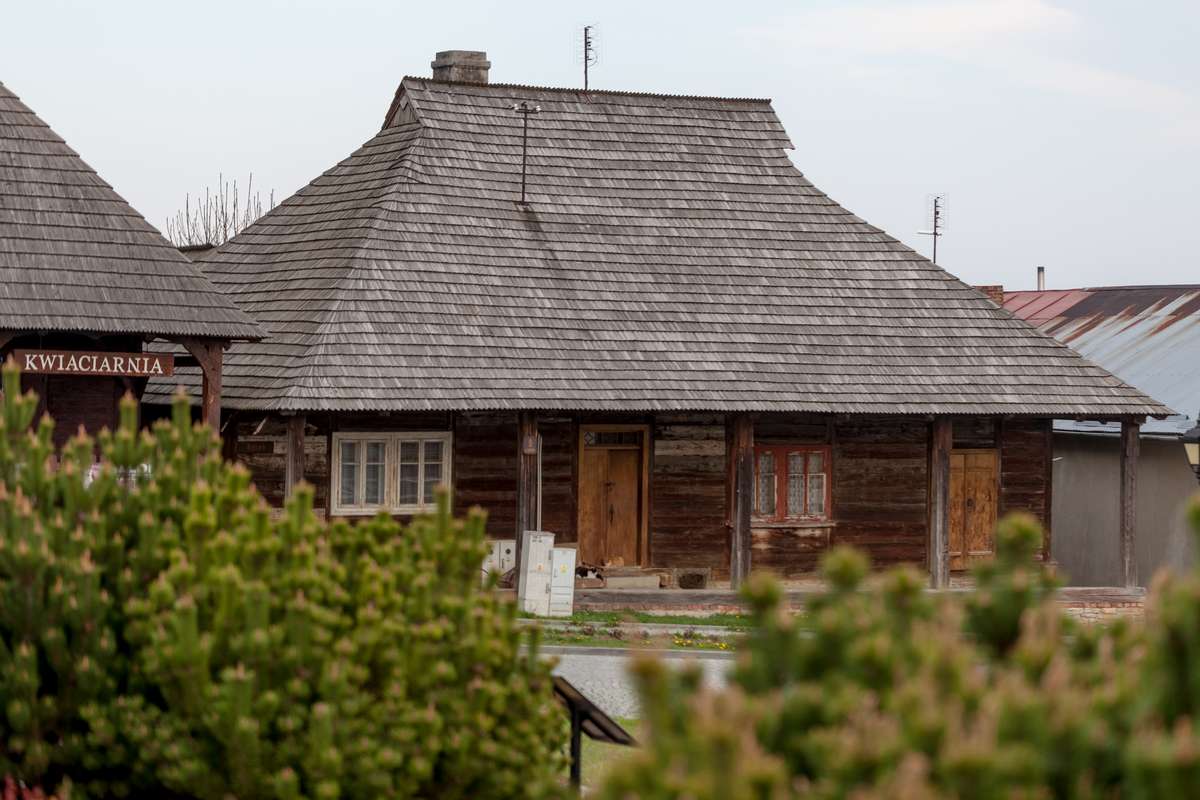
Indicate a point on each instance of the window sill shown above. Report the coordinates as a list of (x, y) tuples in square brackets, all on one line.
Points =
[(800, 523), (401, 511)]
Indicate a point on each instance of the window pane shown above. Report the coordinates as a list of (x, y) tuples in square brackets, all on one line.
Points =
[(795, 484), (373, 472), (348, 491), (816, 462), (433, 469), (816, 494), (410, 471), (765, 494)]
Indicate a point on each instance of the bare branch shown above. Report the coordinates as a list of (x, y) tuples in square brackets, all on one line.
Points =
[(219, 216)]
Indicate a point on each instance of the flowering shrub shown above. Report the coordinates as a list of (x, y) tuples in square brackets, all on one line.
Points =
[(162, 634)]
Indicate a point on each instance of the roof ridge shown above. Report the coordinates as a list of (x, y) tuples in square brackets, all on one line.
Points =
[(1123, 288), (580, 90)]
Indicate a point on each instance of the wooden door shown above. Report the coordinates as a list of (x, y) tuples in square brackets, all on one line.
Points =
[(973, 482), (624, 494), (611, 503)]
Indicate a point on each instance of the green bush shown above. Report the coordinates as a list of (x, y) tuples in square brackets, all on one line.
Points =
[(163, 634), (885, 690)]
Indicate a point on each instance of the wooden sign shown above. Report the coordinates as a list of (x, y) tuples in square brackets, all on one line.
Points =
[(92, 362)]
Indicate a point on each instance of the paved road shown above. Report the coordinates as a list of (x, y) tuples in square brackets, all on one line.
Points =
[(602, 674)]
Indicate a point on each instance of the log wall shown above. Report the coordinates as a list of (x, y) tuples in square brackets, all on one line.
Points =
[(1025, 450), (687, 493), (881, 488), (879, 478)]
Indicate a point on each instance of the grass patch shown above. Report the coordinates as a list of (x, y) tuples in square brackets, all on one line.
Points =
[(612, 637), (734, 621), (599, 758)]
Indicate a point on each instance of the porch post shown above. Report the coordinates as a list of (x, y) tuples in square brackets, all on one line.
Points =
[(741, 465), (208, 354), (229, 438), (941, 442), (294, 468), (1130, 448), (527, 477)]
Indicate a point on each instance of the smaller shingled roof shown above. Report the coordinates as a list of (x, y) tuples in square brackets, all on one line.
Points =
[(75, 256), (1148, 336)]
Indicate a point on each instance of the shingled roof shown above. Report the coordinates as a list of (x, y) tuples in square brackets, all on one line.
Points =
[(670, 258), (74, 256)]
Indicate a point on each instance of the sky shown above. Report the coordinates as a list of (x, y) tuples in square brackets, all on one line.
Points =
[(1063, 133)]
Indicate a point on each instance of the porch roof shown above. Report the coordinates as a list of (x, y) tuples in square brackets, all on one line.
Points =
[(670, 257)]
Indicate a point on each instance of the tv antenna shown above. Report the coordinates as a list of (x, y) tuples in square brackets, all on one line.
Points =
[(586, 45), (937, 221), (524, 109)]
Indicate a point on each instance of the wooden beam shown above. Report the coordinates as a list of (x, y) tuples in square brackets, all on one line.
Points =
[(527, 477), (229, 437), (1130, 447), (1048, 517), (941, 441), (741, 465), (208, 353), (293, 471)]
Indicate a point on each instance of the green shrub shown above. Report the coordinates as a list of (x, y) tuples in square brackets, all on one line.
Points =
[(887, 691), (162, 634)]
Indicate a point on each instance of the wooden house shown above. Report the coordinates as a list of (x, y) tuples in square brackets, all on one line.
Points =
[(86, 282), (628, 319)]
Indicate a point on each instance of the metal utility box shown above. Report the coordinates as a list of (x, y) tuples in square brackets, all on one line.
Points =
[(500, 558), (533, 577), (562, 582)]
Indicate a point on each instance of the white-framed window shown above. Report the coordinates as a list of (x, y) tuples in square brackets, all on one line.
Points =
[(394, 472)]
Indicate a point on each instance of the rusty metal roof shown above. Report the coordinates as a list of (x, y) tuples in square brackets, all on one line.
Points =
[(1149, 336)]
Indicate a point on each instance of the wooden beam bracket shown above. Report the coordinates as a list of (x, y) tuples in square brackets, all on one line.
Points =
[(208, 354)]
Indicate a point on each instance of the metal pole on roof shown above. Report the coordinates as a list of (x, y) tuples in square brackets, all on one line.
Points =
[(524, 109)]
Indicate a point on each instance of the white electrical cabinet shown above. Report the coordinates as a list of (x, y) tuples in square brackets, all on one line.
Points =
[(533, 584), (562, 582), (501, 557)]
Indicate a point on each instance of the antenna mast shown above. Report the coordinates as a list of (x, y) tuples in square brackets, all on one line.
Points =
[(589, 53), (936, 228)]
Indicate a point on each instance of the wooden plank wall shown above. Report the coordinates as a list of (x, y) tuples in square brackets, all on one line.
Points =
[(262, 448), (560, 436), (687, 493), (1025, 446), (881, 488), (485, 469)]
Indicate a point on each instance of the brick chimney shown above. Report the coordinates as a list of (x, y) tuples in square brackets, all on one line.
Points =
[(994, 292), (466, 66)]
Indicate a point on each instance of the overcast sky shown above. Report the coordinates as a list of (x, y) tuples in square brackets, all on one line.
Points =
[(1063, 132)]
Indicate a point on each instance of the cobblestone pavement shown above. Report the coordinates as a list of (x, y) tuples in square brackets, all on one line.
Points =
[(603, 677)]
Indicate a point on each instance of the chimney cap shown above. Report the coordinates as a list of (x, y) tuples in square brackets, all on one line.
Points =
[(468, 66)]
